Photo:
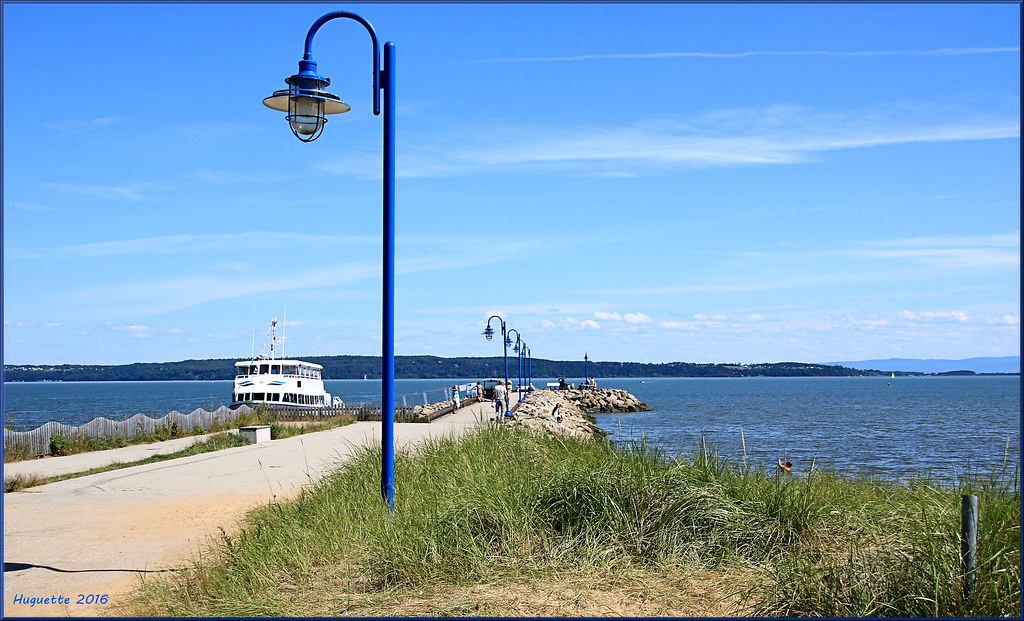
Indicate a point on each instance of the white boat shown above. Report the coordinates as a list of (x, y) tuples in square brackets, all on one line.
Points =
[(283, 382)]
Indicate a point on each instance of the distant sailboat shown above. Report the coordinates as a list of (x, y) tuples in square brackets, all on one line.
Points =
[(892, 376)]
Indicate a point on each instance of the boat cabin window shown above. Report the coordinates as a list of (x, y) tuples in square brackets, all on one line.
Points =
[(289, 369), (275, 369), (264, 369)]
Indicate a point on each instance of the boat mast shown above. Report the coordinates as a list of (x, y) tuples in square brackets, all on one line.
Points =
[(273, 337)]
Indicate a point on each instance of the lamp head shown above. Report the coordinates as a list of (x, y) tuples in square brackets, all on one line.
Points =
[(488, 332), (306, 102)]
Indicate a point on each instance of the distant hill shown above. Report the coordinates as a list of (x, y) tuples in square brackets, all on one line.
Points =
[(1005, 364), (421, 367)]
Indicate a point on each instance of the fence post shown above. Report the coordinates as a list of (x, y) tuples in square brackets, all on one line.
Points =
[(969, 542)]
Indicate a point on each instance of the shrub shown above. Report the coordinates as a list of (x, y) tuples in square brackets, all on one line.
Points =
[(59, 445)]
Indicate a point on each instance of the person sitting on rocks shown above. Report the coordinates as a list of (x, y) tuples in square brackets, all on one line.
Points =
[(556, 414)]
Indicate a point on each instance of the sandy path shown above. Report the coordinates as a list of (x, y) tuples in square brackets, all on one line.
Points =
[(97, 535)]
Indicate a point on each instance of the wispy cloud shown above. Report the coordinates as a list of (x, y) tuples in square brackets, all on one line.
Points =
[(79, 126), (725, 138), (970, 251), (185, 244), (133, 192), (145, 298), (748, 54), (142, 299)]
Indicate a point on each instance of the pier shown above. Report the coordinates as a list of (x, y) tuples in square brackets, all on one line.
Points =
[(96, 534)]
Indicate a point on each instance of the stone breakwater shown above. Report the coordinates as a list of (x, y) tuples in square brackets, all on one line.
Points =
[(604, 400), (566, 413)]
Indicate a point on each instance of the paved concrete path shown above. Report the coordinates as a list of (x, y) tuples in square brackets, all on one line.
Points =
[(95, 535)]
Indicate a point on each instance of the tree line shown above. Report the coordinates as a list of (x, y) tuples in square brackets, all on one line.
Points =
[(425, 367)]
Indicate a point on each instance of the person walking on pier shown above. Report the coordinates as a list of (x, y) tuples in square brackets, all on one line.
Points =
[(499, 399)]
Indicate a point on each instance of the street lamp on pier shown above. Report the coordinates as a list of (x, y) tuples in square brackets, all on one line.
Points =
[(519, 359), (489, 334), (529, 366), (307, 103)]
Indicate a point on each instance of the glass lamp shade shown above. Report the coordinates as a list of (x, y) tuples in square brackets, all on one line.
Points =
[(307, 105), (488, 333)]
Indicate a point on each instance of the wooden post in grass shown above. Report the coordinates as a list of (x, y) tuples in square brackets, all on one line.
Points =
[(744, 442), (969, 542)]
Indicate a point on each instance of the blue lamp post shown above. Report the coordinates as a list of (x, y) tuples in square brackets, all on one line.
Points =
[(489, 334), (522, 349), (519, 361), (307, 103), (529, 366)]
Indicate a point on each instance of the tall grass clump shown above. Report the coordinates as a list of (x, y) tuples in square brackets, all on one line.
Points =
[(502, 506), (893, 550)]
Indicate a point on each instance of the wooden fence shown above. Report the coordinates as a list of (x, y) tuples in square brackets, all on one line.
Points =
[(38, 440), (361, 411)]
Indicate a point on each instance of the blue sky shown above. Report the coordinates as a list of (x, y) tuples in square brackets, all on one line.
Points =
[(641, 182)]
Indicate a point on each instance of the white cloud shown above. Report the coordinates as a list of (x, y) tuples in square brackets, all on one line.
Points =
[(607, 316), (587, 324), (637, 318), (135, 330), (960, 316)]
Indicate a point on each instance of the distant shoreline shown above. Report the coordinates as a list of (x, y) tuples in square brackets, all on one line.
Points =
[(434, 367)]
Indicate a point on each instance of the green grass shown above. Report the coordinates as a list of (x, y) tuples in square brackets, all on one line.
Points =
[(509, 523)]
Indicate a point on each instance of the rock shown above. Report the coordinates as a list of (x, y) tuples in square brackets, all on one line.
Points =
[(604, 400), (572, 418)]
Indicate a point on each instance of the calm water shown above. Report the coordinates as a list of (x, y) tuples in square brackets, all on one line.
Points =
[(891, 427)]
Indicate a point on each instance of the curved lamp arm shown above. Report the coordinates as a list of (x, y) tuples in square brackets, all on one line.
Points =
[(511, 330), (307, 56), (488, 332)]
